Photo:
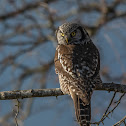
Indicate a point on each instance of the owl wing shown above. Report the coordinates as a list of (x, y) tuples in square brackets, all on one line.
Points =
[(86, 61), (63, 62)]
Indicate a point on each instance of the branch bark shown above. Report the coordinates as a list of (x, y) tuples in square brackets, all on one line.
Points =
[(20, 94)]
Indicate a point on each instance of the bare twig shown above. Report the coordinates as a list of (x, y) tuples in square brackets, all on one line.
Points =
[(106, 115), (109, 104), (17, 112), (120, 122)]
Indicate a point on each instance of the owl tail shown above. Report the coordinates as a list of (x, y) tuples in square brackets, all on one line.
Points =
[(82, 111)]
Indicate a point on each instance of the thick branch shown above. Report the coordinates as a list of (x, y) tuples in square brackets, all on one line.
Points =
[(111, 87), (20, 94)]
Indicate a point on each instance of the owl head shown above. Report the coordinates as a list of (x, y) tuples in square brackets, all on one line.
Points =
[(71, 33)]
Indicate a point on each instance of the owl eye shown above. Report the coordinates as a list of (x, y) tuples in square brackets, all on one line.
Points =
[(62, 34), (73, 34)]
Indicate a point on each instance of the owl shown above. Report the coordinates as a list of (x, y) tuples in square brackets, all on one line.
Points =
[(77, 63)]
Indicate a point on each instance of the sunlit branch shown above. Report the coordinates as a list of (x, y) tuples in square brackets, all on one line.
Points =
[(20, 94), (120, 122)]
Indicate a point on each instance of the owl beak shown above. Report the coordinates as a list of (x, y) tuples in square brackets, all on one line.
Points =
[(66, 40)]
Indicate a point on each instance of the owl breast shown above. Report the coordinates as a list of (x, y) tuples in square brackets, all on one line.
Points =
[(76, 66), (64, 83), (79, 61)]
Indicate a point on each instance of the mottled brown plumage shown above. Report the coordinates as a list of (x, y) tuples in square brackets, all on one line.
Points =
[(77, 64)]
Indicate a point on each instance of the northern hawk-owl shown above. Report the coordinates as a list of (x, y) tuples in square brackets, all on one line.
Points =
[(77, 63)]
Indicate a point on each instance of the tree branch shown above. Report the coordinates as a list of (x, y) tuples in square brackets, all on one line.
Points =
[(111, 87), (20, 94), (106, 114)]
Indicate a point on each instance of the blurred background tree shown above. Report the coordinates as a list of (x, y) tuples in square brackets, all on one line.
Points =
[(27, 48)]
